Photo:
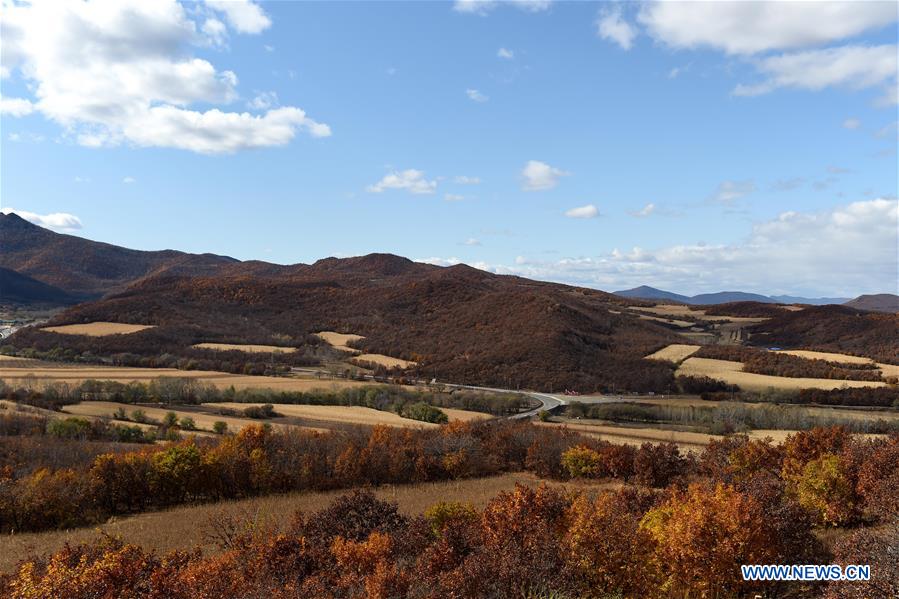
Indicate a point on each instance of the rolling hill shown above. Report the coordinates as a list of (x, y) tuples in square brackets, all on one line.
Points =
[(20, 290), (723, 297), (85, 268), (881, 302)]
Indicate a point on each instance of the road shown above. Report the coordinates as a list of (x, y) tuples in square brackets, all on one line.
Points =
[(547, 401)]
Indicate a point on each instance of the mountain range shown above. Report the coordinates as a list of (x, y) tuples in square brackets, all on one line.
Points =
[(726, 297)]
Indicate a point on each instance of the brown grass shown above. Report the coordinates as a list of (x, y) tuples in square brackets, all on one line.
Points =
[(340, 340), (732, 372), (673, 310), (186, 527), (98, 329), (53, 372), (678, 323), (676, 353), (342, 414), (885, 369), (383, 360), (252, 349)]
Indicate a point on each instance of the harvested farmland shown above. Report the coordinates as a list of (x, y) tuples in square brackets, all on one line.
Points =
[(340, 340), (251, 349), (677, 353), (343, 414), (98, 329), (51, 372), (732, 373), (382, 360)]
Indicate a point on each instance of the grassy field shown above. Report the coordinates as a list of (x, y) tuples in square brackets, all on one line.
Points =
[(672, 321), (383, 360), (342, 414), (252, 349), (98, 329), (63, 373), (885, 369), (675, 310), (732, 372), (186, 527), (340, 340), (676, 353)]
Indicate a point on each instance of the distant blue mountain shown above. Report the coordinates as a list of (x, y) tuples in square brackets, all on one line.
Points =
[(724, 297)]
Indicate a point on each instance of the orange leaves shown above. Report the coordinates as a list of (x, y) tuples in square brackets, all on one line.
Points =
[(704, 534)]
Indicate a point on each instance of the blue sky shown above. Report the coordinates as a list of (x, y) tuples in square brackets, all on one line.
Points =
[(601, 144)]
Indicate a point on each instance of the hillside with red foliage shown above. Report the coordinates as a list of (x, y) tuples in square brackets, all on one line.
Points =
[(833, 329), (458, 323)]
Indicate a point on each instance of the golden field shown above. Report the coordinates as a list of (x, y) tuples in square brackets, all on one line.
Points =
[(340, 340), (677, 353), (51, 372), (732, 372), (341, 414), (251, 349), (187, 527), (385, 361), (98, 329)]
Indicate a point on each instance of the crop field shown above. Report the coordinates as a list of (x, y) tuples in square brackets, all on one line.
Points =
[(203, 419), (52, 372), (732, 372), (675, 310), (187, 527), (676, 353), (383, 360), (885, 369), (341, 414), (340, 340), (98, 329), (672, 321), (252, 349), (630, 435)]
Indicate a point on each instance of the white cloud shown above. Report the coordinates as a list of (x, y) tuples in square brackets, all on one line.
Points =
[(216, 31), (729, 192), (854, 67), (465, 180), (539, 176), (411, 180), (453, 197), (475, 95), (15, 106), (268, 47), (610, 26), (752, 27), (645, 211), (129, 180), (843, 251), (889, 130), (80, 179), (588, 211), (244, 16), (505, 53), (60, 221), (482, 7), (852, 123), (107, 71), (263, 101), (471, 241)]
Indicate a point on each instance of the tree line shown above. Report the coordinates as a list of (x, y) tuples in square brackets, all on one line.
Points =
[(681, 530)]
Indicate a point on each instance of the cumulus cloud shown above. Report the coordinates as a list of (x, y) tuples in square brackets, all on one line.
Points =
[(853, 67), (852, 123), (753, 27), (539, 176), (844, 251), (60, 221), (263, 101), (15, 106), (588, 211), (106, 71), (453, 197), (129, 180), (610, 26), (505, 53), (645, 211), (483, 7), (476, 96), (411, 180), (729, 192), (243, 15), (472, 242), (465, 180)]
